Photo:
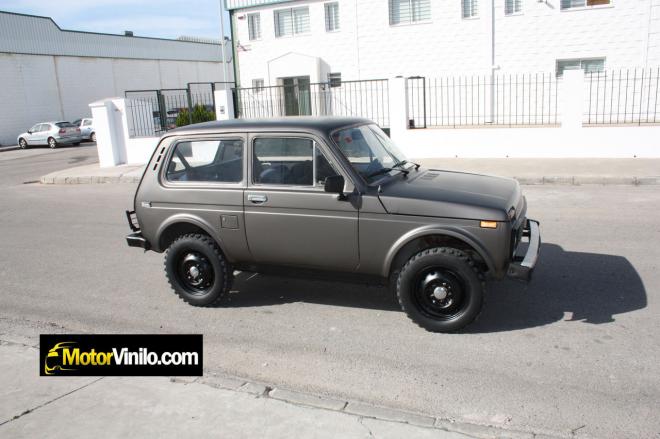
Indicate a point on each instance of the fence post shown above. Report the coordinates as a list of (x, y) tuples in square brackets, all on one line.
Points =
[(224, 104), (398, 106), (572, 99)]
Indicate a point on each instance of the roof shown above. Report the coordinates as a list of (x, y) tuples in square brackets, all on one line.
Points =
[(241, 4), (324, 124), (37, 35)]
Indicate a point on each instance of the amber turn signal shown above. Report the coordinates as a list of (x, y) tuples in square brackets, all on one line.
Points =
[(489, 224)]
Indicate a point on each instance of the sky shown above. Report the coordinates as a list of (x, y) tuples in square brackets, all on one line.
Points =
[(147, 18)]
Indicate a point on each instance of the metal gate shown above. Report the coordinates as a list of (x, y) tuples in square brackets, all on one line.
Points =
[(152, 112), (297, 97)]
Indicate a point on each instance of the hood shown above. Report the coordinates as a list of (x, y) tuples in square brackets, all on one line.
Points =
[(448, 194)]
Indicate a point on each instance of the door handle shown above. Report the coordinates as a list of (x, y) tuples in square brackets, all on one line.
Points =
[(257, 198)]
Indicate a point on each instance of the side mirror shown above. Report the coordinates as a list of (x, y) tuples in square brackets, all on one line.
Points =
[(29, 132), (335, 185)]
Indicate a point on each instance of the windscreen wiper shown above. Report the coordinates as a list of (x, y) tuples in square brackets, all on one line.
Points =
[(386, 170)]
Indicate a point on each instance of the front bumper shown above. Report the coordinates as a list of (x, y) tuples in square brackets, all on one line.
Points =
[(522, 266), (135, 239)]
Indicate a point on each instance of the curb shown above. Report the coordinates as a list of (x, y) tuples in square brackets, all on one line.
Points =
[(365, 410), (8, 148), (89, 179)]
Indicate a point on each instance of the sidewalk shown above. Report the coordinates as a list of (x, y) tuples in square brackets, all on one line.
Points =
[(526, 171), (211, 406)]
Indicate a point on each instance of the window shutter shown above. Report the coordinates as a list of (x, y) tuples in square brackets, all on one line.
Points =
[(331, 16), (254, 26), (300, 20), (470, 8), (283, 23), (409, 11), (421, 10)]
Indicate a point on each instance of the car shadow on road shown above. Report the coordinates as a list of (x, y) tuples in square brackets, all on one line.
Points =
[(577, 286)]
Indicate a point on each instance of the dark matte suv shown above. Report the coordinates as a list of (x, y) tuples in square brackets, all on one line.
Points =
[(328, 196)]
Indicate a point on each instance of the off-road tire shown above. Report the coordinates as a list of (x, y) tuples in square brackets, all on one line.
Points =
[(451, 261), (206, 246)]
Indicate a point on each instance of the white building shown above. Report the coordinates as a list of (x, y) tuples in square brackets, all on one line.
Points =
[(368, 39), (47, 73)]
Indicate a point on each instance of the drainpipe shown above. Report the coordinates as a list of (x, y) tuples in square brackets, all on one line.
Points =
[(222, 40), (234, 56)]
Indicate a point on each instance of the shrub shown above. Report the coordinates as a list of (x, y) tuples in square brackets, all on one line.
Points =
[(199, 114)]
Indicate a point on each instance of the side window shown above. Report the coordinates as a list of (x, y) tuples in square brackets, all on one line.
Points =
[(323, 168), (87, 123), (281, 160), (289, 161), (44, 127), (207, 161), (35, 129)]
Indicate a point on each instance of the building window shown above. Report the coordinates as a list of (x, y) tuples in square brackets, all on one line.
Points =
[(570, 4), (409, 11), (258, 84), (334, 79), (470, 8), (589, 65), (291, 21), (254, 26), (331, 17), (512, 7)]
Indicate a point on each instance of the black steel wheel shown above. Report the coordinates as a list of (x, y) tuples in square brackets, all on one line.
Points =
[(22, 143), (197, 270), (52, 143), (440, 289)]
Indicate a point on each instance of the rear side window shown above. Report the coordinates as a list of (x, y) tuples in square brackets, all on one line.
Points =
[(207, 161)]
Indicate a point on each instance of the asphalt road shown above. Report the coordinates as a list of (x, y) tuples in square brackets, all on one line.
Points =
[(575, 352)]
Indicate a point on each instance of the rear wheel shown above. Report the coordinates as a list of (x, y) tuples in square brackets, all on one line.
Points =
[(52, 143), (22, 143), (440, 289), (197, 270), (92, 137)]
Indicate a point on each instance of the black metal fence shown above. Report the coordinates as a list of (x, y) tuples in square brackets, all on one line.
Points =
[(152, 112), (625, 96), (485, 100), (365, 98)]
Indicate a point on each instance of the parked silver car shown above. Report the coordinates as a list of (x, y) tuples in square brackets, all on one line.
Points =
[(86, 125), (52, 134)]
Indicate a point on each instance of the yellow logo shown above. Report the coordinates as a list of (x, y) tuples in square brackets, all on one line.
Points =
[(54, 358)]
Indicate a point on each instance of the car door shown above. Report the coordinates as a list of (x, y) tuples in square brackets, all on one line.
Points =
[(86, 127), (40, 136), (289, 218)]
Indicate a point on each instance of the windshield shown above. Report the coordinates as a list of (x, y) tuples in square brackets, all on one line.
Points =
[(370, 151)]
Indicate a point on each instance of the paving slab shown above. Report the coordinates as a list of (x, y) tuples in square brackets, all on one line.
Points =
[(110, 407)]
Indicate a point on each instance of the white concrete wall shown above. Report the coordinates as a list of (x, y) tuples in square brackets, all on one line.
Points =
[(35, 88), (627, 34)]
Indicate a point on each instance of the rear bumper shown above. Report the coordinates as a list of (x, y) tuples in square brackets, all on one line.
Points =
[(523, 266), (135, 239), (69, 139)]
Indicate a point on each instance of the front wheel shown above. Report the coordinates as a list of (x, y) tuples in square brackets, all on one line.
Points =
[(22, 143), (92, 137), (52, 143), (440, 289), (197, 270)]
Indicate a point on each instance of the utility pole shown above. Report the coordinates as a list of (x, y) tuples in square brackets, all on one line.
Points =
[(222, 40), (492, 61)]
